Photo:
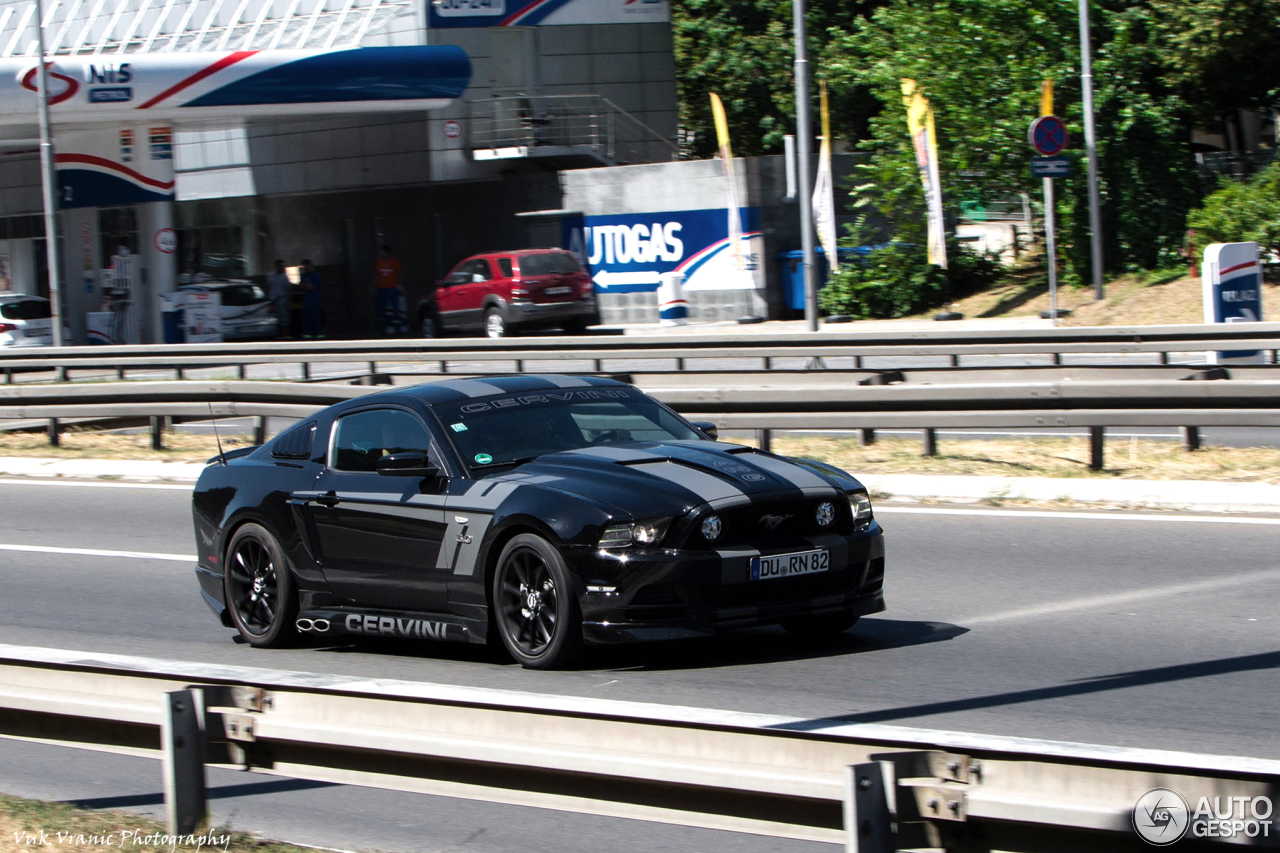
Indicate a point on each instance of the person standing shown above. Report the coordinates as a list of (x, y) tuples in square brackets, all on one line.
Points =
[(312, 313), (388, 283), (278, 293)]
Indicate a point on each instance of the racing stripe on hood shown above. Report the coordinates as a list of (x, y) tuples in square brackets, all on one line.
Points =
[(706, 486), (619, 454), (801, 478)]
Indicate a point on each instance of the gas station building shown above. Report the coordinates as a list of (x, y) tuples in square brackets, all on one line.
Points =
[(210, 137)]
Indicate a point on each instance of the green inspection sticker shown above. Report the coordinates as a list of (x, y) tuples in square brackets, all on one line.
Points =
[(483, 458)]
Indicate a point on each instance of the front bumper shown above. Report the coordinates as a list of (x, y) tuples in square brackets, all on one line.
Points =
[(666, 594)]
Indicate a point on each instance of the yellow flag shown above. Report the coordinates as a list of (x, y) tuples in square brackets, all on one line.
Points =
[(924, 139), (726, 154), (1046, 98), (824, 201)]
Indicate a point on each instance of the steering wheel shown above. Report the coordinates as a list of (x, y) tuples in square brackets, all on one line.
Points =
[(611, 435)]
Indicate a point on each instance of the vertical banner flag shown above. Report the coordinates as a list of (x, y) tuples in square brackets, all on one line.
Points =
[(824, 199), (726, 154), (1046, 98), (925, 141)]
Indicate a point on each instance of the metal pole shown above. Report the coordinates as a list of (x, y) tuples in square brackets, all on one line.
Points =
[(1091, 147), (1051, 248), (47, 184), (804, 144)]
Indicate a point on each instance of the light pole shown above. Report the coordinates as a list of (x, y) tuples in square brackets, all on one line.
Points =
[(47, 183), (1091, 148), (804, 142)]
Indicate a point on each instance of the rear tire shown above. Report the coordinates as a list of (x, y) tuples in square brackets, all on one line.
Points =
[(819, 629), (257, 584), (495, 325), (535, 605), (575, 327)]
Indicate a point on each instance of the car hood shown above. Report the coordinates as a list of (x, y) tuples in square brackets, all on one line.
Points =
[(671, 478)]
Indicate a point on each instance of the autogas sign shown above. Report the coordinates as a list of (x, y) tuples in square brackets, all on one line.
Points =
[(629, 253)]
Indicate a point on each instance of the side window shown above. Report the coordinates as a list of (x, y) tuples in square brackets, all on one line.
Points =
[(462, 275), (481, 268), (361, 439), (296, 443), (505, 265)]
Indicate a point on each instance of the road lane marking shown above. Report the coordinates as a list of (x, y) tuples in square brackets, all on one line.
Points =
[(1163, 591), (96, 552), (1088, 516), (100, 484)]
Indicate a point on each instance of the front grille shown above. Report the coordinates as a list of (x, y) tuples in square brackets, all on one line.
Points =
[(769, 522)]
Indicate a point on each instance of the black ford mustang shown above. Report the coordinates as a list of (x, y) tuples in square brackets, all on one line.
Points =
[(550, 510)]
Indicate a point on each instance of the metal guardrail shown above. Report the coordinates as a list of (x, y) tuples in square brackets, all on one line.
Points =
[(1093, 404), (599, 354), (872, 787)]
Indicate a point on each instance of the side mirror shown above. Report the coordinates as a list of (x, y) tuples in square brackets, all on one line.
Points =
[(712, 431), (407, 464)]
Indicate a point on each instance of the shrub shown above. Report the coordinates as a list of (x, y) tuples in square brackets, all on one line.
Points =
[(897, 280), (1242, 211)]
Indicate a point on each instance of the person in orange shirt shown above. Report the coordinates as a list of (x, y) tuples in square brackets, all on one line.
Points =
[(387, 280)]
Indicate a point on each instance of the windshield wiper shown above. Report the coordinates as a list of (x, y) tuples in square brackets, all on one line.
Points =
[(519, 460)]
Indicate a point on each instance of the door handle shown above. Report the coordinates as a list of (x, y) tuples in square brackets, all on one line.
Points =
[(329, 498)]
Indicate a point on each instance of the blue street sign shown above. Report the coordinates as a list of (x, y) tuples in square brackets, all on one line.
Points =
[(1050, 167), (1048, 135)]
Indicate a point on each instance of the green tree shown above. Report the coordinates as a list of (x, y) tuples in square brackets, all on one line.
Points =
[(1242, 211), (981, 63), (743, 51)]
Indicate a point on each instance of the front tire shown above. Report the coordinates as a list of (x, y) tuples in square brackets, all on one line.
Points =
[(258, 586), (495, 325), (535, 605), (428, 327)]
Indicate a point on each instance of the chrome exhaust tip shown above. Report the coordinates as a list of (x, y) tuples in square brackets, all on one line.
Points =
[(320, 625), (305, 625)]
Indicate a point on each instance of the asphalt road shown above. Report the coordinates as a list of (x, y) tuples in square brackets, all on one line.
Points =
[(1114, 628)]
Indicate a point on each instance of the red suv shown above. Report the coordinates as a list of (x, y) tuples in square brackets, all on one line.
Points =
[(499, 292)]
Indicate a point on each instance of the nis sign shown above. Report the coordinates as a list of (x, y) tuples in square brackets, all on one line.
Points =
[(105, 83)]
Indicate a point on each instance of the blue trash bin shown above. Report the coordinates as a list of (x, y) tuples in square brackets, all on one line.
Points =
[(793, 278)]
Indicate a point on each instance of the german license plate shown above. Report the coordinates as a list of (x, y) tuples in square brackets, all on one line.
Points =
[(790, 565), (557, 291)]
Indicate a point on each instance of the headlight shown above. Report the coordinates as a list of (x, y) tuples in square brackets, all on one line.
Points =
[(826, 513), (712, 527), (860, 505), (643, 533)]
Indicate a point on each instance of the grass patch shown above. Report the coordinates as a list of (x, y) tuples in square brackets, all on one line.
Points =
[(30, 825), (1137, 459), (1039, 457), (92, 444)]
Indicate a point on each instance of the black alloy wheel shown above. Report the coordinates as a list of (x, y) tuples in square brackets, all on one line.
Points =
[(536, 608), (258, 587)]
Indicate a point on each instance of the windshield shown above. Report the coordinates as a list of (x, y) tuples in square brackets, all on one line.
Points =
[(498, 430)]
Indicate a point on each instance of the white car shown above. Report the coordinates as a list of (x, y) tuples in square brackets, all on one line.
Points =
[(247, 313), (25, 321)]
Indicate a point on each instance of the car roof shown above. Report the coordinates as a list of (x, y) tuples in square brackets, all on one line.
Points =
[(455, 390), (9, 296)]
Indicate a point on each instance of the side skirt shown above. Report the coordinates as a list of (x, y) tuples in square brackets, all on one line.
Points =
[(388, 623)]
